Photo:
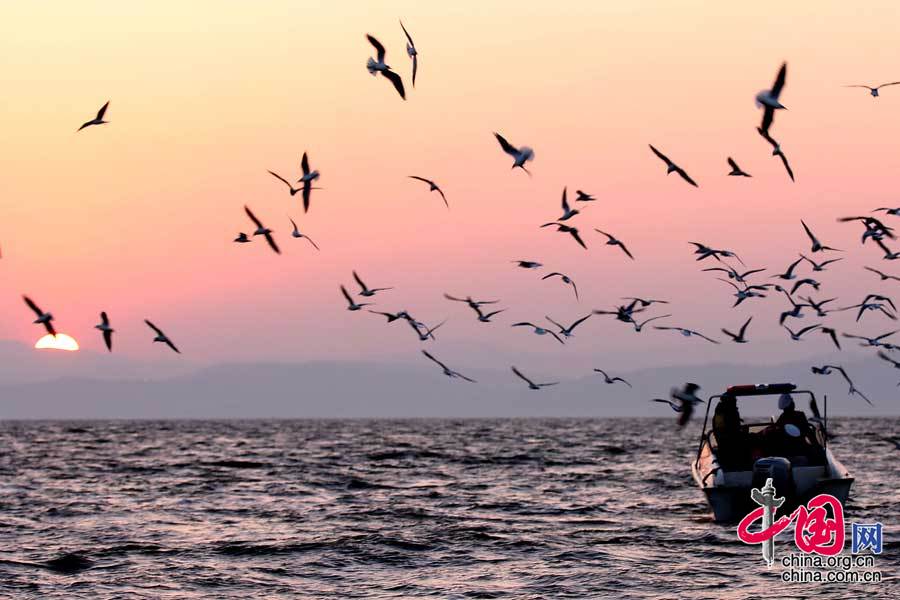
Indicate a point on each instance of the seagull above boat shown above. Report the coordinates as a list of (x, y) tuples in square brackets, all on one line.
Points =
[(296, 233), (683, 401), (565, 279), (375, 66), (736, 171), (528, 264), (883, 276), (568, 213), (286, 182), (539, 330), (242, 238), (873, 90), (573, 231), (769, 99), (672, 167), (827, 370), (43, 318), (350, 302), (685, 332), (98, 120), (520, 155), (639, 326), (739, 337), (432, 187), (789, 274), (262, 230), (817, 246), (610, 380), (874, 342), (777, 151), (413, 53), (532, 385), (704, 251), (161, 337), (820, 266), (796, 335), (106, 329), (612, 241), (309, 176), (447, 370), (566, 332), (733, 274), (365, 291), (584, 197)]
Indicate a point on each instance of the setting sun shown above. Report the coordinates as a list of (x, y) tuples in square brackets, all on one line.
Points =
[(60, 342)]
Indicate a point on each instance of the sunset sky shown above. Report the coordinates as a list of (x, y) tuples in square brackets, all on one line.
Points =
[(136, 217)]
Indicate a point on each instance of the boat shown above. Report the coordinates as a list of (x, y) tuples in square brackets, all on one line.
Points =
[(801, 468)]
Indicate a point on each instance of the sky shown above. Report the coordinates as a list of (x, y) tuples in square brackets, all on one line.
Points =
[(136, 217)]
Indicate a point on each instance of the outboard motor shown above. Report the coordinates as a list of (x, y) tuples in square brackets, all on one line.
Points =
[(778, 469)]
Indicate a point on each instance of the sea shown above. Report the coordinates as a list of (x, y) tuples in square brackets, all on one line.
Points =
[(506, 508)]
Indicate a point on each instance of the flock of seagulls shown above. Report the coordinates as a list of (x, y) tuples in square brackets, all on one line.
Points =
[(740, 282)]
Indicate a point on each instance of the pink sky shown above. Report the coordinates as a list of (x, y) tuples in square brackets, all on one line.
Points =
[(136, 217)]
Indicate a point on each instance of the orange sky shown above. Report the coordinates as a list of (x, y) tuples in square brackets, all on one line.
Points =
[(136, 217)]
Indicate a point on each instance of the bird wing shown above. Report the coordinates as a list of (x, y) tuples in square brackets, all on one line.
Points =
[(574, 233), (744, 326), (625, 250), (360, 282), (787, 165), (428, 181), (406, 33), (304, 164), (307, 190), (33, 306), (433, 359), (622, 380), (346, 294), (565, 202), (661, 156), (519, 374), (102, 111), (280, 178), (553, 274), (272, 243), (779, 81), (887, 84), (252, 216), (507, 147), (104, 318), (379, 49), (415, 69), (558, 339), (107, 338), (768, 117), (884, 356), (172, 346), (685, 176), (554, 322), (397, 81), (602, 372), (524, 324), (733, 164), (154, 327), (309, 239)]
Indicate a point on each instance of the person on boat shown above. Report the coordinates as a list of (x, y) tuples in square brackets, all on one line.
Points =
[(730, 433), (805, 443)]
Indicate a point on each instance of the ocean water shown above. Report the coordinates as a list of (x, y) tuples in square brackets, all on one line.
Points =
[(529, 508)]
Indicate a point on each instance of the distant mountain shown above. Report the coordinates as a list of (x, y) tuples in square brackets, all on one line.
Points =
[(361, 390)]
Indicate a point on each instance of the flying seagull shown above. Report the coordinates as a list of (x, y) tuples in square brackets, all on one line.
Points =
[(685, 332), (831, 333), (45, 319), (703, 251), (796, 335), (739, 337), (378, 66), (883, 276), (750, 291), (768, 100), (539, 330), (611, 380), (307, 180), (672, 167), (528, 264), (423, 331), (520, 155), (573, 231), (789, 274), (161, 337), (645, 302), (241, 238), (776, 151), (365, 290), (296, 233), (565, 279), (568, 213), (890, 211), (447, 370), (286, 182), (736, 171), (639, 326), (817, 246), (888, 359), (532, 385), (733, 274), (874, 90), (106, 329), (583, 197), (351, 305), (262, 230), (413, 53), (98, 120), (432, 187), (566, 332), (391, 317), (682, 401), (872, 342), (820, 266), (612, 241), (827, 370)]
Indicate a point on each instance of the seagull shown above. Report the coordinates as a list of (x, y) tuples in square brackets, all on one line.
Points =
[(351, 304), (816, 245), (796, 335), (611, 380), (887, 358), (296, 233), (672, 167), (733, 274), (612, 241), (565, 279), (532, 385), (106, 329), (286, 182), (45, 319), (583, 197), (739, 338), (428, 332), (242, 238), (98, 120), (890, 211), (528, 264), (261, 230), (365, 290), (873, 90), (468, 300), (566, 332), (745, 293), (685, 332), (705, 252), (877, 305), (391, 317), (832, 334), (820, 266), (520, 155), (777, 152), (645, 302), (413, 53), (827, 370), (538, 330), (817, 306), (447, 370), (622, 313), (795, 312), (432, 187), (805, 281), (888, 255), (789, 274), (378, 66), (883, 276), (736, 171), (161, 337), (875, 229), (568, 213), (639, 326), (768, 100), (307, 180), (486, 318), (874, 342), (573, 231), (683, 401)]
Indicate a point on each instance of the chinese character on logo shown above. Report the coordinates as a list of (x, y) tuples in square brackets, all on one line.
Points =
[(866, 535)]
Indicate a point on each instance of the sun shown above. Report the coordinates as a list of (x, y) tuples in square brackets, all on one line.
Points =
[(60, 342)]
